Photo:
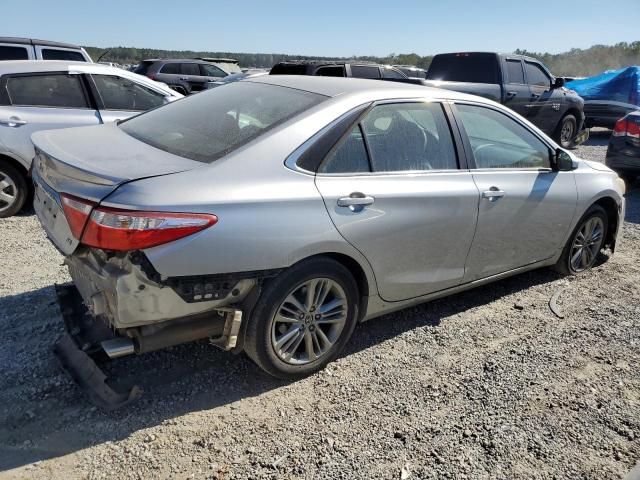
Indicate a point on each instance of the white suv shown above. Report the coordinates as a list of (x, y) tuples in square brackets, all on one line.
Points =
[(45, 95), (15, 48)]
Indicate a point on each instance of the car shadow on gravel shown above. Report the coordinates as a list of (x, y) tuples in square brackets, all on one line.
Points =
[(44, 415), (50, 417)]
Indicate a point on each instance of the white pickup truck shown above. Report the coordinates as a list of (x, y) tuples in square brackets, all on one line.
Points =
[(14, 48)]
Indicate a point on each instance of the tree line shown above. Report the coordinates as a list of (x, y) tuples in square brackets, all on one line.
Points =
[(575, 62)]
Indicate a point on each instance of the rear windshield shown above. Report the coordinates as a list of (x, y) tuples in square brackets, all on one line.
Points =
[(465, 67), (142, 68), (209, 125)]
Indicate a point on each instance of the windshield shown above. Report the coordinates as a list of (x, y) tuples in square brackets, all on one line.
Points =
[(209, 125)]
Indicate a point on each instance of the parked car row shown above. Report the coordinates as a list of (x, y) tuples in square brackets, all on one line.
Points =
[(300, 206)]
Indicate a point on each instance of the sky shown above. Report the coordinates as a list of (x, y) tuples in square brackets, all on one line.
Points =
[(326, 27)]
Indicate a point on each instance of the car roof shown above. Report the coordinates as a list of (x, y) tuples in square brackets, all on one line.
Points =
[(373, 89), (34, 41), (177, 60)]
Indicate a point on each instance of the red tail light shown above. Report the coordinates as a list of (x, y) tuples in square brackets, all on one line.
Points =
[(77, 211), (626, 128), (124, 230), (152, 76)]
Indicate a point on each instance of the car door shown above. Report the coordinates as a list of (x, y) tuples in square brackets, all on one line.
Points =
[(118, 98), (190, 72), (394, 190), (40, 101), (516, 91), (526, 207), (544, 105)]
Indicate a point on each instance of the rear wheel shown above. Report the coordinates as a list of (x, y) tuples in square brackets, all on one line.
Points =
[(566, 131), (303, 319), (583, 248), (13, 190)]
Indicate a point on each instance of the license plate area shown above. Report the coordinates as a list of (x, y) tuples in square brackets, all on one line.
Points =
[(52, 219)]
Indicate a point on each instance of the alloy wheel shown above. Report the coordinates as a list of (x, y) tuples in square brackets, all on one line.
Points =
[(309, 321), (8, 191), (587, 244), (566, 134)]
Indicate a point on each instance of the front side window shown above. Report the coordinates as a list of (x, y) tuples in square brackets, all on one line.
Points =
[(13, 53), (210, 125), (536, 76), (120, 93), (498, 141), (211, 71), (51, 90), (409, 137), (55, 54)]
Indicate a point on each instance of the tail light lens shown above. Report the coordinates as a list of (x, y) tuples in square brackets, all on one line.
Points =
[(151, 76), (77, 211), (124, 230), (626, 128)]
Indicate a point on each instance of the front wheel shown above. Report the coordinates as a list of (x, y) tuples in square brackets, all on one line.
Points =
[(566, 131), (583, 247), (303, 319)]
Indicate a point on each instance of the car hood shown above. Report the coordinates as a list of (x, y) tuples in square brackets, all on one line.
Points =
[(92, 161), (601, 167)]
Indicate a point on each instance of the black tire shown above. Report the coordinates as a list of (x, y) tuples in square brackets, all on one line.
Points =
[(568, 121), (179, 89), (258, 337), (629, 179), (18, 189), (564, 265)]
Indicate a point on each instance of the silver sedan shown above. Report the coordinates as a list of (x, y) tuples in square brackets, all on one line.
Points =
[(273, 215)]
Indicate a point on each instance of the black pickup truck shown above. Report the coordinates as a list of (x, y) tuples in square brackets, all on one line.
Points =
[(518, 82)]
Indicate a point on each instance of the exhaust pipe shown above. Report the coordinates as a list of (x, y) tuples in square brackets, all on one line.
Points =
[(118, 347)]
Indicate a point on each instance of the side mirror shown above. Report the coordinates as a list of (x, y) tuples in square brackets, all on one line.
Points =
[(562, 161), (558, 83)]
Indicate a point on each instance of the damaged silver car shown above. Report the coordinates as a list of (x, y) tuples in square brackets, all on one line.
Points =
[(272, 215)]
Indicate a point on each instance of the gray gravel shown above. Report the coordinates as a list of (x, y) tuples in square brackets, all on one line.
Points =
[(484, 384)]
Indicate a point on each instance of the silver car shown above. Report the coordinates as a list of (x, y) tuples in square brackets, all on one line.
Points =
[(41, 95), (273, 215)]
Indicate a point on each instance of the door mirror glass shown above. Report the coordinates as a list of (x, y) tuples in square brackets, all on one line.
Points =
[(558, 83), (563, 161)]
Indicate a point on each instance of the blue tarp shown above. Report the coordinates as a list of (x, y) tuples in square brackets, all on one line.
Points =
[(614, 85)]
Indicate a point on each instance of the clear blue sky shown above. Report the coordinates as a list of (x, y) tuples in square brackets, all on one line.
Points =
[(327, 27)]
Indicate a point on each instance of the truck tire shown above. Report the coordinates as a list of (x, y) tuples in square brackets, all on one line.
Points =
[(303, 319), (566, 131), (13, 190)]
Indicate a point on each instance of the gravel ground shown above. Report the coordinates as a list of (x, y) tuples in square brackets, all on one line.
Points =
[(484, 384)]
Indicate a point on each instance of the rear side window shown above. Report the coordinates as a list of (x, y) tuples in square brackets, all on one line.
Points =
[(392, 73), (349, 156), (288, 69), (514, 72), (118, 93), (365, 71), (332, 71), (51, 90), (465, 67), (211, 71), (142, 68), (536, 76), (210, 125), (189, 69), (13, 53), (171, 68), (409, 137), (55, 54)]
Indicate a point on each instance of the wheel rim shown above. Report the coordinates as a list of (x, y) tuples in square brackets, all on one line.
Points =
[(586, 244), (309, 321), (567, 132), (8, 191)]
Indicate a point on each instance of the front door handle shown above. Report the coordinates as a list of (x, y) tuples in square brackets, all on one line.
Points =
[(356, 201), (13, 122), (511, 94), (535, 96), (183, 78), (493, 194)]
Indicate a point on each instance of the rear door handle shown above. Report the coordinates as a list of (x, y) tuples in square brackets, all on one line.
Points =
[(356, 201), (493, 194), (183, 78), (13, 122), (512, 94), (535, 96)]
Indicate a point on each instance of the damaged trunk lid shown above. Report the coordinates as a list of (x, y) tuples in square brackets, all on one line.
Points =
[(90, 163)]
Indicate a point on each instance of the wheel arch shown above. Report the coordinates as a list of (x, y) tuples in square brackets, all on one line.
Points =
[(610, 206), (572, 110), (17, 164)]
